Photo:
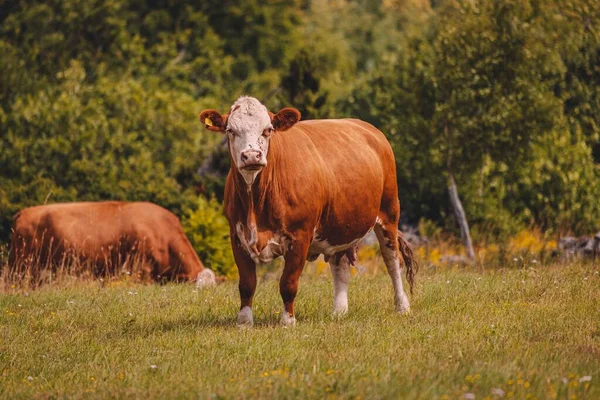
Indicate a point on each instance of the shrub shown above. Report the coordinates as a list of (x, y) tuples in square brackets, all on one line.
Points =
[(208, 230)]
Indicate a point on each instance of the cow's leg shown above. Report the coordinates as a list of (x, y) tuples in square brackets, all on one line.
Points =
[(387, 234), (247, 285), (340, 269), (295, 258)]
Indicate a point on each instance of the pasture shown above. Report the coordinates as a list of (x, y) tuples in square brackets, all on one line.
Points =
[(512, 333)]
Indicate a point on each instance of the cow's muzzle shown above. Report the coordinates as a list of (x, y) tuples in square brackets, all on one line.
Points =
[(252, 160)]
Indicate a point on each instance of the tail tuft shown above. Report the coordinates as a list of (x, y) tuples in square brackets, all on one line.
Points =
[(409, 260)]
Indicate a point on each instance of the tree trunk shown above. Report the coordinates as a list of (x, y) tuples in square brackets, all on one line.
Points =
[(459, 213)]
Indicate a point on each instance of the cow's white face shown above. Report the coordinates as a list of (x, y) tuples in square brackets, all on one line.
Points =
[(249, 126), (249, 130)]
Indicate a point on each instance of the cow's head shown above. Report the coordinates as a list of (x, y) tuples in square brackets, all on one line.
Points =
[(249, 126)]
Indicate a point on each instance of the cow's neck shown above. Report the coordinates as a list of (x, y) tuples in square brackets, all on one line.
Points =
[(253, 200), (250, 199)]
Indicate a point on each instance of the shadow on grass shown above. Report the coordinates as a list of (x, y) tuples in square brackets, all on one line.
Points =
[(193, 324)]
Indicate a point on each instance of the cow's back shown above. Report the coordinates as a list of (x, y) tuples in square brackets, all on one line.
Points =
[(102, 223), (349, 165), (353, 135), (98, 232)]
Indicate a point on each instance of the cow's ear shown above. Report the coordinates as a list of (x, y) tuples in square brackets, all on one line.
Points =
[(213, 120), (285, 119)]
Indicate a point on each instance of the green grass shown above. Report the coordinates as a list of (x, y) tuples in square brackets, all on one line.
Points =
[(526, 332)]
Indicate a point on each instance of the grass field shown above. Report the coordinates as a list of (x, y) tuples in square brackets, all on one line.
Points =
[(527, 333)]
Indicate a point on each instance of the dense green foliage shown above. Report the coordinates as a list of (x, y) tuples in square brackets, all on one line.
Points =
[(208, 231), (494, 93), (98, 99), (527, 333)]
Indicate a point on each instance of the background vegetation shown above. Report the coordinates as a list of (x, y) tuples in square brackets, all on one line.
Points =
[(99, 100)]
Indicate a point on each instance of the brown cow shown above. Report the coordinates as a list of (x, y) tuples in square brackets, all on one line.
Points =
[(107, 235), (300, 189)]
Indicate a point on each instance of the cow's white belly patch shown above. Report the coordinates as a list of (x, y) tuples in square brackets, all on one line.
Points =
[(323, 247), (275, 247)]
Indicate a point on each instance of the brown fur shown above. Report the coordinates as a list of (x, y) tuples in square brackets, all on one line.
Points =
[(104, 235)]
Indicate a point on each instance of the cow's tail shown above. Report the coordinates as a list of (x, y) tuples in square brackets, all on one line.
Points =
[(409, 260)]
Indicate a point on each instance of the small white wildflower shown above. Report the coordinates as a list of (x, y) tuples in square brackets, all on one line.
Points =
[(515, 259), (130, 292), (585, 278), (447, 281), (18, 305), (586, 378), (30, 378), (153, 366), (131, 314), (534, 261), (498, 392), (469, 396), (564, 380)]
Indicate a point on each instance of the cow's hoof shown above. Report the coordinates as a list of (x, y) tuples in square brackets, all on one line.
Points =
[(403, 310), (205, 278), (245, 319), (287, 319), (339, 312), (340, 306), (402, 305)]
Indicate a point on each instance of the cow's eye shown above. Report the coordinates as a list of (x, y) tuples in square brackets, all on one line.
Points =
[(229, 131), (267, 132)]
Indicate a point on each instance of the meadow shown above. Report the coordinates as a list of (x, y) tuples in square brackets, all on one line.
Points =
[(529, 332)]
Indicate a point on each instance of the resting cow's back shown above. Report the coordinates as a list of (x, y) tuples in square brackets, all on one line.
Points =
[(105, 235)]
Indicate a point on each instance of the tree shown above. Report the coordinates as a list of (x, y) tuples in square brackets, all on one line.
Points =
[(474, 93)]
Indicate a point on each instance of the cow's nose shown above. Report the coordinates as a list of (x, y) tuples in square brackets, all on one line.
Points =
[(250, 156)]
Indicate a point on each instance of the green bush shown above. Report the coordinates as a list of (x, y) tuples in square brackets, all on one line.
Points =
[(208, 230)]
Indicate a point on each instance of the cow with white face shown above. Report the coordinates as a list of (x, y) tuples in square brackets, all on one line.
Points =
[(249, 128), (301, 189)]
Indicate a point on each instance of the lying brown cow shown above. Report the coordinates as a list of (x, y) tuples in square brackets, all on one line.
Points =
[(300, 189), (106, 235)]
